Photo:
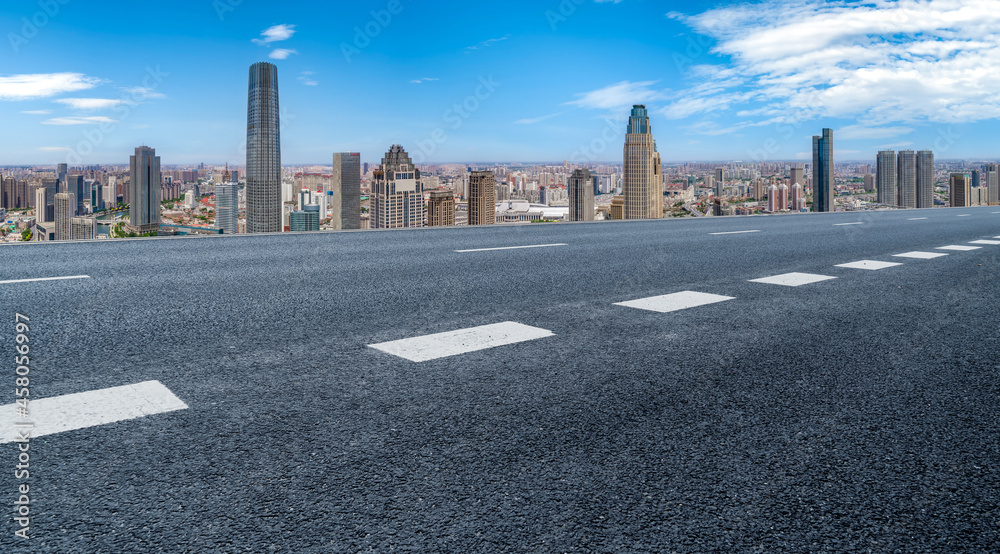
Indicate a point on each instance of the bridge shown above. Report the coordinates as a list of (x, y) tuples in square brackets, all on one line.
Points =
[(809, 382)]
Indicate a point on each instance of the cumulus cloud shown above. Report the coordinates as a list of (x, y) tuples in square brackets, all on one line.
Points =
[(43, 85), (882, 62)]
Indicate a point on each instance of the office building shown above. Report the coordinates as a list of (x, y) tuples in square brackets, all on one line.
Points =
[(906, 180), (144, 190), (74, 184), (869, 180), (798, 175), (720, 177), (581, 196), (345, 184), (61, 172), (227, 208), (978, 196), (992, 172), (81, 228), (822, 168), (886, 178), (65, 205), (482, 198), (925, 179), (617, 209), (263, 181), (397, 199), (643, 180), (441, 209), (961, 190), (306, 219)]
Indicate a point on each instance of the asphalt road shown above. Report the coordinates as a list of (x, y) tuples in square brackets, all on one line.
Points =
[(858, 414)]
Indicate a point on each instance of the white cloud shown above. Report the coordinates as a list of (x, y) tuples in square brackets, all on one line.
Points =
[(54, 149), (144, 93), (532, 121), (621, 95), (487, 43), (306, 78), (78, 120), (37, 112), (276, 33), (282, 53), (89, 103), (44, 85), (862, 132), (424, 80), (882, 62)]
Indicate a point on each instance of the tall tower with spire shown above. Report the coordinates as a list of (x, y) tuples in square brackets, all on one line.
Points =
[(642, 183)]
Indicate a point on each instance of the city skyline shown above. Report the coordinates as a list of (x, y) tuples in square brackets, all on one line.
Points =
[(703, 81)]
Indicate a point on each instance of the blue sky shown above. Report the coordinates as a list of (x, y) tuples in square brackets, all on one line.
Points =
[(539, 80)]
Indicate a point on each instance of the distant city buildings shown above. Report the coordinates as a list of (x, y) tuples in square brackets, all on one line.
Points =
[(397, 199), (306, 219), (643, 180), (263, 179), (227, 208), (65, 206), (581, 196), (81, 228), (144, 190), (993, 184), (823, 194)]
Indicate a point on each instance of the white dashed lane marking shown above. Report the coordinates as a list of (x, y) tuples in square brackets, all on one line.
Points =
[(986, 242), (736, 232), (870, 265), (965, 215), (793, 279), (960, 248), (675, 302), (511, 248), (921, 255), (70, 412), (917, 219), (843, 224), (462, 341), (44, 279)]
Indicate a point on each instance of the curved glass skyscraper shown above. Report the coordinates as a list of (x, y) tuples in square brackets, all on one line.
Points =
[(263, 188)]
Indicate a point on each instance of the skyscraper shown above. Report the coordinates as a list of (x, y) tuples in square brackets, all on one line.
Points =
[(783, 197), (925, 179), (993, 184), (798, 175), (720, 177), (772, 199), (642, 182), (397, 198), (797, 200), (65, 205), (441, 209), (581, 196), (482, 198), (61, 171), (906, 169), (961, 190), (869, 181), (227, 208), (822, 168), (263, 181), (74, 184), (346, 187), (886, 178), (144, 190)]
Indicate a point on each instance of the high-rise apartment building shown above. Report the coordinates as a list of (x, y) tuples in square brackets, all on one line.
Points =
[(886, 178), (227, 208), (869, 181), (345, 184), (65, 205), (925, 179), (720, 181), (823, 199), (263, 182), (992, 173), (81, 228), (441, 209), (581, 196), (642, 181), (782, 197), (961, 190), (144, 191), (397, 198), (772, 199), (796, 198), (798, 175), (906, 180), (482, 198)]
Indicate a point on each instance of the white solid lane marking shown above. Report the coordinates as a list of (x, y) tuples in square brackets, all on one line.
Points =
[(960, 248), (44, 279), (675, 302), (89, 409), (462, 341), (843, 224), (986, 242), (921, 255), (736, 232), (793, 279), (916, 218), (511, 247), (965, 215), (871, 265)]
